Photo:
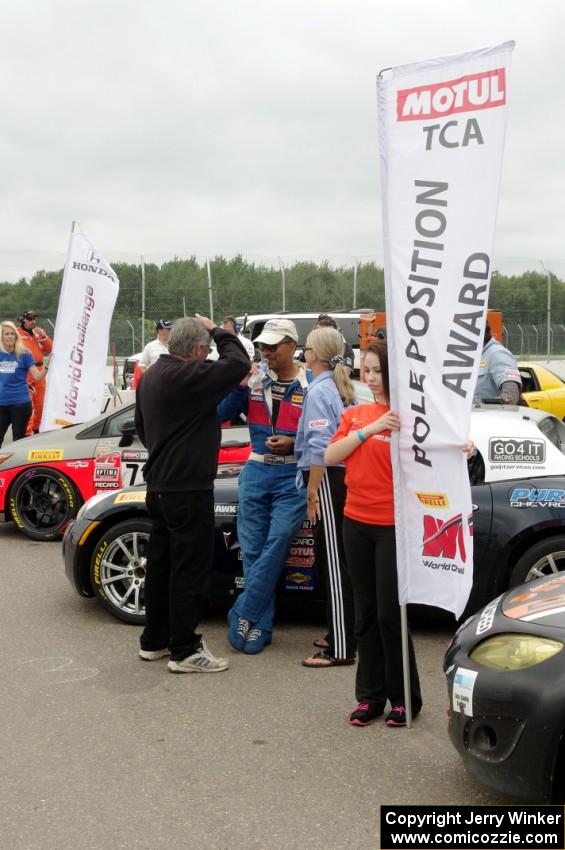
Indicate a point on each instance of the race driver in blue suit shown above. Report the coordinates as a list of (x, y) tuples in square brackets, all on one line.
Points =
[(271, 509)]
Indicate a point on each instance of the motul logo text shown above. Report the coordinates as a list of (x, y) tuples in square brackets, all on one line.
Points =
[(465, 94)]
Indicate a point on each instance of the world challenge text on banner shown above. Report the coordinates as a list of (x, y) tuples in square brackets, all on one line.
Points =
[(80, 346), (441, 131)]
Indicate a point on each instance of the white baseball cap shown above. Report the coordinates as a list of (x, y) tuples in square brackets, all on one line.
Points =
[(275, 330)]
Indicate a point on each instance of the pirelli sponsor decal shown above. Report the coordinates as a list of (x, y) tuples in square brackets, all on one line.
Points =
[(433, 500), (125, 498), (42, 455)]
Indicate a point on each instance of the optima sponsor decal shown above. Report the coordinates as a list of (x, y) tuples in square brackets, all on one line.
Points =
[(484, 90), (433, 500), (107, 471), (41, 455), (531, 497)]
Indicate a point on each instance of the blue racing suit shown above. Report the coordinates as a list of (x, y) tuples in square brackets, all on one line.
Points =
[(271, 509)]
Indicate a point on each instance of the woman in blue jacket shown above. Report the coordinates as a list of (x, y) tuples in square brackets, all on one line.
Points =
[(327, 396), (15, 400)]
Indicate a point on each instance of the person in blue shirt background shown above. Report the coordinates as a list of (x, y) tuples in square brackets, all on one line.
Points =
[(326, 398), (15, 400)]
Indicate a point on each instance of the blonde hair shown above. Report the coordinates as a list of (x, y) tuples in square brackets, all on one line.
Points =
[(20, 347), (327, 343)]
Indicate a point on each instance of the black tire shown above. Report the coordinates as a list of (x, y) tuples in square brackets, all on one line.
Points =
[(42, 503), (544, 559), (118, 578)]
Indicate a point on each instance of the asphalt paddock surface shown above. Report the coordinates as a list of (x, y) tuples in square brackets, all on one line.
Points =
[(102, 751)]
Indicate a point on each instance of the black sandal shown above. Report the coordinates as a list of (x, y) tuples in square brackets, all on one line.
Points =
[(323, 655)]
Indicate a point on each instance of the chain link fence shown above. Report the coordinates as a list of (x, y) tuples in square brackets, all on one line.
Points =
[(530, 292)]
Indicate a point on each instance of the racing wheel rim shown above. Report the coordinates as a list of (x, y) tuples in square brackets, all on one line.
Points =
[(122, 572), (43, 503), (548, 565)]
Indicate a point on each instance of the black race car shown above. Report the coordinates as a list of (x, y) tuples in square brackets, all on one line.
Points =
[(518, 492), (105, 551), (506, 681)]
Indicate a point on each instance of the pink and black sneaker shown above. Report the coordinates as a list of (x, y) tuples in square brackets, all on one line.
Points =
[(365, 714)]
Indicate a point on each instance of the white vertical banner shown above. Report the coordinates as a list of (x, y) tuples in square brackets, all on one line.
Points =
[(75, 384), (441, 132)]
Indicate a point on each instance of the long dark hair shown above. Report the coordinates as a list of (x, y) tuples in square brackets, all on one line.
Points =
[(380, 349)]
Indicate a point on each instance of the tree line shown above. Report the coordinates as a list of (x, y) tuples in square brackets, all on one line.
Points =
[(239, 286)]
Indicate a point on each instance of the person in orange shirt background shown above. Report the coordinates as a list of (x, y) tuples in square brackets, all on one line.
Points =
[(39, 345)]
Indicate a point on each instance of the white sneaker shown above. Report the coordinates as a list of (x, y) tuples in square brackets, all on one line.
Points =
[(202, 661), (153, 654)]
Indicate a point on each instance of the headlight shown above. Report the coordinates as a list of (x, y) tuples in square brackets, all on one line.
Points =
[(90, 503), (514, 651)]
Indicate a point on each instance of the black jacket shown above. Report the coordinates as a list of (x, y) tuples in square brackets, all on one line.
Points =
[(176, 417)]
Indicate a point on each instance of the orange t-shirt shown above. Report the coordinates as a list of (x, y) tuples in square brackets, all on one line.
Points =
[(368, 469)]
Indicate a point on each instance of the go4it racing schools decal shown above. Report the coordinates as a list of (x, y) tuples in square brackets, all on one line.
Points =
[(444, 540)]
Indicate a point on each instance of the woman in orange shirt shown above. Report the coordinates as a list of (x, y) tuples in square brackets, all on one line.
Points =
[(363, 442)]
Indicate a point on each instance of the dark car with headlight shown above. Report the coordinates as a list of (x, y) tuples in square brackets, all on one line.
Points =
[(505, 672), (518, 494)]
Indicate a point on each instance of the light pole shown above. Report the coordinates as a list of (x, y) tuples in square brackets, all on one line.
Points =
[(132, 336), (283, 283), (548, 274)]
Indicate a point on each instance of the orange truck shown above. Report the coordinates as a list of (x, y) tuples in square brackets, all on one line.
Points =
[(371, 323)]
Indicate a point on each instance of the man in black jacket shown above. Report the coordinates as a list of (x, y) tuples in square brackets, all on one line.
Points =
[(177, 421)]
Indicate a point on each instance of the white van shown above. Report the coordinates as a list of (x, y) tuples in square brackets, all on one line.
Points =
[(348, 323)]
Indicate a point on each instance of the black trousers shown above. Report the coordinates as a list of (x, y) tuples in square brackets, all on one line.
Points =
[(179, 566), (371, 559), (331, 565), (16, 415)]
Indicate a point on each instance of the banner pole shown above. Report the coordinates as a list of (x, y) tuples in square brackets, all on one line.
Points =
[(406, 666)]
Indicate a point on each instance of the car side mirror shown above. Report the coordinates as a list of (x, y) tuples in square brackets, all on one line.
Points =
[(128, 432)]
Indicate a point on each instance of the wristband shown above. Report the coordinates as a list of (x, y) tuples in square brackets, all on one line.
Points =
[(361, 436)]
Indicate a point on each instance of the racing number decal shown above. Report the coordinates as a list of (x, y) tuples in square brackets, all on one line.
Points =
[(133, 461), (132, 474)]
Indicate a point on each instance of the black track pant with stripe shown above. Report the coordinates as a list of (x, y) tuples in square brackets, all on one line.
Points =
[(331, 564)]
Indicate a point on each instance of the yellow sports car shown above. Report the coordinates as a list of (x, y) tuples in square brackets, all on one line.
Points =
[(542, 388)]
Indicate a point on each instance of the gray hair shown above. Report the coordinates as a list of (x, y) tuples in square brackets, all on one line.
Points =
[(187, 334)]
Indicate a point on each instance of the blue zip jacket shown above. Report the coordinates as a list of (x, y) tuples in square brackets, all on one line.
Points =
[(256, 403), (320, 420)]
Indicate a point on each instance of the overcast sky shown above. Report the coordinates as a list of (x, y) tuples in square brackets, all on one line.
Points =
[(248, 126)]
